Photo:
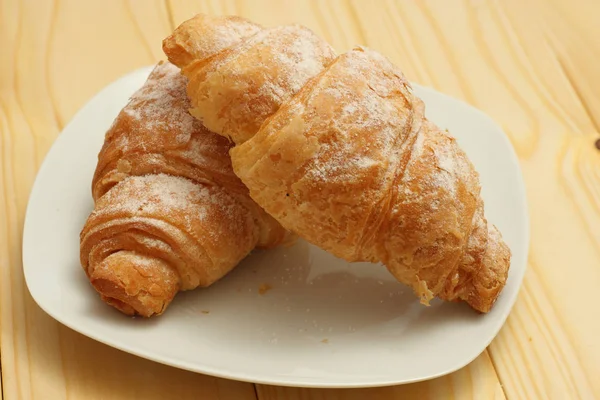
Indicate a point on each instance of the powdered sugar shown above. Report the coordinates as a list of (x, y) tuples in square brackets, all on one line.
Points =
[(152, 242), (213, 34), (159, 104), (151, 193), (209, 152), (365, 126), (142, 261), (303, 58), (171, 197), (156, 133), (449, 170), (340, 166), (260, 74)]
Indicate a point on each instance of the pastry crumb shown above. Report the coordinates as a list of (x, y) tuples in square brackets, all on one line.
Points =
[(325, 341), (205, 312), (264, 288)]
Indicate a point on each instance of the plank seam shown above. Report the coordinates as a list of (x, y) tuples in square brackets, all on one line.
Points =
[(489, 354)]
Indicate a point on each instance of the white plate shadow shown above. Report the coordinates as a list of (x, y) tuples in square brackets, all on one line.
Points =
[(323, 323)]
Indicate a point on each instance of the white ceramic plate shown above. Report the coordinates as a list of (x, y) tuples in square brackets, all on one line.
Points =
[(324, 322)]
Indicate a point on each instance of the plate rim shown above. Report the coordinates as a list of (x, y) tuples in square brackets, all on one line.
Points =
[(224, 373)]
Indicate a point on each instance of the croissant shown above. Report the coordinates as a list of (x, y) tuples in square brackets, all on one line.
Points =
[(338, 150), (169, 213)]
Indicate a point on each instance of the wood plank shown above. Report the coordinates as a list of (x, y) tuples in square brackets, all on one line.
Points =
[(57, 55), (493, 55), (496, 56), (497, 61), (536, 77), (571, 30), (331, 19), (338, 22), (471, 382)]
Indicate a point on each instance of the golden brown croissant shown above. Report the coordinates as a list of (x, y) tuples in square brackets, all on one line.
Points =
[(339, 151), (170, 214)]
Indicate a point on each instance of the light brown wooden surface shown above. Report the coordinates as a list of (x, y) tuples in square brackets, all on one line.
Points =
[(531, 65)]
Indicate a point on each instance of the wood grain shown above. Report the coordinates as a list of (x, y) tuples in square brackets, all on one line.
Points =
[(499, 57), (476, 381), (571, 30), (531, 65), (338, 23), (55, 59)]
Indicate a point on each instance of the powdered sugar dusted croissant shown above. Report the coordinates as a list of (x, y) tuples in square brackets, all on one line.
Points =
[(339, 151), (170, 214)]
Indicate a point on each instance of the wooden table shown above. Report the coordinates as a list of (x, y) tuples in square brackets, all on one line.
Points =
[(532, 65)]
